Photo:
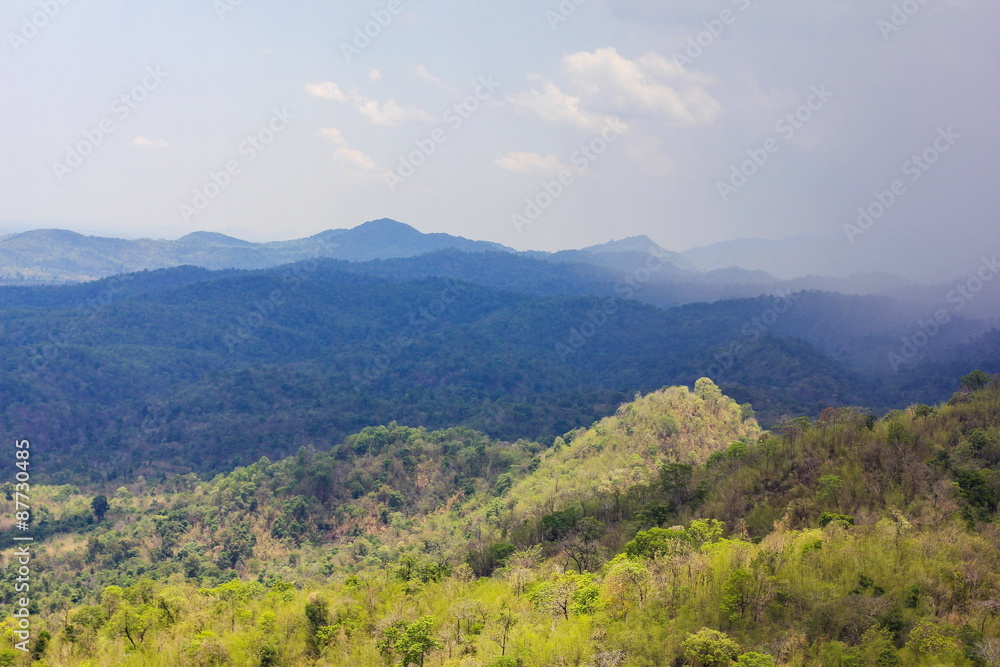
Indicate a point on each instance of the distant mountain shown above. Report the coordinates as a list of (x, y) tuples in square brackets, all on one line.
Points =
[(858, 330), (50, 256), (652, 273), (212, 240), (638, 244), (54, 256), (381, 239), (632, 254), (787, 258), (806, 256)]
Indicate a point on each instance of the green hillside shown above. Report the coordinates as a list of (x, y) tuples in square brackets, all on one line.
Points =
[(675, 532)]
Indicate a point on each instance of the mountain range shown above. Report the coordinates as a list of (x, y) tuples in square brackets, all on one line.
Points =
[(727, 270), (53, 256), (61, 256)]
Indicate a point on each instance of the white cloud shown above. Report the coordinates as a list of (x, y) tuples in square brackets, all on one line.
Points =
[(353, 158), (603, 84), (327, 91), (333, 134), (555, 106), (650, 85), (423, 75), (384, 113), (388, 113), (374, 75), (144, 142), (527, 163)]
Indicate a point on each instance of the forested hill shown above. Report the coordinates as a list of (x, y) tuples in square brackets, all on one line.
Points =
[(674, 532), (181, 370), (120, 376)]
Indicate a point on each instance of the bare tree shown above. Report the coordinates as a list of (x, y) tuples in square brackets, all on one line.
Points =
[(989, 651), (609, 658), (500, 629)]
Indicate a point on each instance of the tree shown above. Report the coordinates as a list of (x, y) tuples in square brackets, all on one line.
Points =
[(206, 649), (503, 621), (317, 613), (704, 531), (134, 622), (41, 644), (708, 647), (582, 547), (988, 650), (559, 594), (416, 641), (975, 380), (100, 506), (657, 542), (829, 485), (927, 636), (707, 390), (625, 584), (876, 648), (738, 594), (675, 480)]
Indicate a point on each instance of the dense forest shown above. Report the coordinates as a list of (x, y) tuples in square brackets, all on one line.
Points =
[(675, 531), (167, 372)]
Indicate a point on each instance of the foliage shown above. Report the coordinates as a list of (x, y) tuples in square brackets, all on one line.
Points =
[(754, 659), (621, 546), (709, 648)]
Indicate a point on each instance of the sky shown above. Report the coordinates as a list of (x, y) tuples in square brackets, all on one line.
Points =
[(545, 125)]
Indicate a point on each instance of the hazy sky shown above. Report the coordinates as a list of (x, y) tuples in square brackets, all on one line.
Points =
[(273, 120)]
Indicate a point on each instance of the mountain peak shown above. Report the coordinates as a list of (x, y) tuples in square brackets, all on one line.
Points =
[(211, 238), (385, 228), (48, 234), (641, 243), (387, 224)]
